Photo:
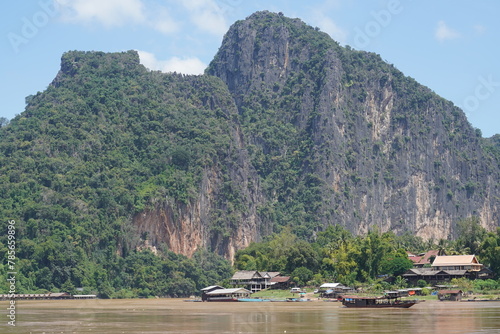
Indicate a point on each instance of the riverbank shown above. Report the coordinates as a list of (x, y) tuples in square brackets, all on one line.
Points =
[(168, 315)]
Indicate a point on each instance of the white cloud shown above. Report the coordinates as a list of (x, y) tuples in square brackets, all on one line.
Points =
[(331, 28), (161, 20), (443, 32), (206, 15), (108, 12), (181, 65), (479, 29)]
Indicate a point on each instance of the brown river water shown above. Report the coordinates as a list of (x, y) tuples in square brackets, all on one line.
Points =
[(177, 316)]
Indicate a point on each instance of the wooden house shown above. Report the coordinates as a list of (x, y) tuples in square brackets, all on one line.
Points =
[(280, 282), (253, 280), (457, 262), (445, 268), (424, 259), (333, 290), (208, 289), (227, 295), (451, 295)]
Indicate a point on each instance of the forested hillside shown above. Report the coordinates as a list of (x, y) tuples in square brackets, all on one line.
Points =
[(105, 141), (133, 182)]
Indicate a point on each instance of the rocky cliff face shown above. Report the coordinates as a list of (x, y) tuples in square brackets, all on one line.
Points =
[(383, 150)]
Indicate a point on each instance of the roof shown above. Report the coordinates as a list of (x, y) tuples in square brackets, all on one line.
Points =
[(454, 272), (427, 256), (455, 260), (454, 292), (280, 279), (415, 259), (228, 291), (331, 285), (420, 271), (249, 274), (246, 274), (269, 273), (423, 258), (433, 272), (58, 294), (212, 287)]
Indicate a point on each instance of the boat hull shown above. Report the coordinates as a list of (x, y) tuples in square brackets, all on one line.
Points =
[(220, 299), (376, 302), (405, 305)]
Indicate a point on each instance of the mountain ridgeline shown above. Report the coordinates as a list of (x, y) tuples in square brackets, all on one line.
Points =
[(285, 129)]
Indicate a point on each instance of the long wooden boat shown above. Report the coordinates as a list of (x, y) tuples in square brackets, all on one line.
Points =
[(252, 300), (376, 302)]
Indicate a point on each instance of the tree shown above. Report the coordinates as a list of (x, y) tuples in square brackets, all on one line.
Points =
[(490, 251), (245, 262), (372, 250), (68, 287), (463, 284), (341, 262), (181, 158), (302, 275), (470, 234), (3, 121), (395, 265)]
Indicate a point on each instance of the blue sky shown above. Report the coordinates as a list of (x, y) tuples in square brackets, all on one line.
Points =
[(450, 46)]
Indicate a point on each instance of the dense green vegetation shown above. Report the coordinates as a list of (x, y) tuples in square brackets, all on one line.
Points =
[(103, 142), (339, 256)]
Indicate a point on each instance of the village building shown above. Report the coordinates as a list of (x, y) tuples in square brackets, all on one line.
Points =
[(280, 282), (50, 295), (333, 290), (208, 289), (255, 280), (424, 259), (446, 268), (457, 262), (451, 295), (84, 296), (226, 295)]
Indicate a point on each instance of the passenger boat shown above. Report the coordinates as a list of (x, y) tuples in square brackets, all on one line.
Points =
[(226, 295), (377, 302)]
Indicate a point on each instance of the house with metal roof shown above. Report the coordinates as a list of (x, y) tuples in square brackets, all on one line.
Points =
[(457, 262), (451, 295), (205, 291), (227, 295), (332, 290), (445, 268), (253, 280), (433, 276), (424, 259)]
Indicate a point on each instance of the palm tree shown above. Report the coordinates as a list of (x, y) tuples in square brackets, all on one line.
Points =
[(442, 247)]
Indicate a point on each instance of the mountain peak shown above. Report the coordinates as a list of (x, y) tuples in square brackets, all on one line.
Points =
[(264, 49)]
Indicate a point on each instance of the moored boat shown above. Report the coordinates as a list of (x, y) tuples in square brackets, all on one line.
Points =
[(253, 300), (377, 302), (226, 295)]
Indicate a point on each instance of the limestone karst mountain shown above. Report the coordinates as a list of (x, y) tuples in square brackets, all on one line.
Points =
[(285, 128)]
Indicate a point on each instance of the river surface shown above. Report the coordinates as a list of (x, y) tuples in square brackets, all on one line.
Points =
[(177, 316)]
